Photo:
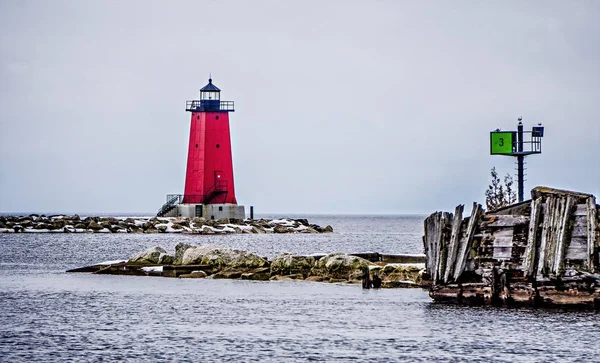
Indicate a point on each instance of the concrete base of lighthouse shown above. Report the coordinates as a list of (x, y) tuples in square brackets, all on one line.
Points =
[(208, 211)]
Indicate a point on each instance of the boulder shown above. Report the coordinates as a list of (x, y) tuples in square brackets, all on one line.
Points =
[(223, 221), (94, 226), (185, 222), (179, 251), (261, 274), (150, 229), (281, 229), (401, 275), (134, 229), (41, 226), (288, 264), (302, 221), (207, 230), (152, 256), (59, 224), (229, 274), (199, 221), (194, 275), (222, 257), (258, 230), (337, 266), (162, 228)]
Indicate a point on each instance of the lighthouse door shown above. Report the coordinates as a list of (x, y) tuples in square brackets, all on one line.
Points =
[(220, 184)]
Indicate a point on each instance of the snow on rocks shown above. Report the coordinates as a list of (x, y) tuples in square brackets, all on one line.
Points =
[(75, 224)]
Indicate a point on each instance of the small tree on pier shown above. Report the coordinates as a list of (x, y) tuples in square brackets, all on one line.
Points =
[(498, 195)]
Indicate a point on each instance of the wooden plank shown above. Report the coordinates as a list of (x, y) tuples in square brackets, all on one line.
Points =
[(581, 210), (592, 238), (442, 250), (580, 227), (467, 241), (502, 253), (503, 242), (454, 240), (532, 237), (428, 227), (435, 240), (546, 235), (562, 238), (500, 221), (434, 234), (501, 233), (555, 228), (579, 252)]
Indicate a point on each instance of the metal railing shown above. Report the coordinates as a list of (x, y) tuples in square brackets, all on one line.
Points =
[(209, 105), (172, 201), (219, 187)]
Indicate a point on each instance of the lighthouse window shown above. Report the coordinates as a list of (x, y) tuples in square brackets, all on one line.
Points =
[(217, 117), (198, 117), (196, 146), (218, 146)]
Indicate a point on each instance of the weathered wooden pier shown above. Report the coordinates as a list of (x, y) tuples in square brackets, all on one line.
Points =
[(541, 252)]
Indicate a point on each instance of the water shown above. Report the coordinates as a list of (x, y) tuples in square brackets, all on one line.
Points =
[(48, 315)]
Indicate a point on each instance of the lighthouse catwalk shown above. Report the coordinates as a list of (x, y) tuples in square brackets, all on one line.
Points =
[(209, 186)]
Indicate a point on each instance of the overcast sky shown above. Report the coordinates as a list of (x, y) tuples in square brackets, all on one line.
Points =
[(341, 106)]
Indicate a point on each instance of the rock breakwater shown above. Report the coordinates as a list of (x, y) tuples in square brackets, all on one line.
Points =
[(35, 223), (212, 261)]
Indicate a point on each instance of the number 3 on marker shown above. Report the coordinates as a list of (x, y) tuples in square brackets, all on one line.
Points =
[(501, 141)]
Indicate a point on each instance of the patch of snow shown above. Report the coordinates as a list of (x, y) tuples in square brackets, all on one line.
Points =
[(153, 269), (228, 230), (106, 263), (282, 222), (103, 230), (7, 230), (31, 230)]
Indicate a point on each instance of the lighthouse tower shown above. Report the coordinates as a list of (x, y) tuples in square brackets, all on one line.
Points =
[(209, 188)]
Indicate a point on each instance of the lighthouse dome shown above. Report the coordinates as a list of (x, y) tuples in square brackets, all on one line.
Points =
[(210, 87)]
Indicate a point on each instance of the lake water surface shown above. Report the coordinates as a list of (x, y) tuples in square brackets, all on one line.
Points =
[(47, 315)]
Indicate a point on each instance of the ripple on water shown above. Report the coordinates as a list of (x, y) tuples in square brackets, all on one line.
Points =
[(48, 315)]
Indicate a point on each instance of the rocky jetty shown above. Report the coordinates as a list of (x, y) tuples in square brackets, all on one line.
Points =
[(212, 261), (74, 224)]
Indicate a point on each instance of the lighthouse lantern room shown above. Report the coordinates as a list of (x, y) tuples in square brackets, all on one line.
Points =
[(209, 187)]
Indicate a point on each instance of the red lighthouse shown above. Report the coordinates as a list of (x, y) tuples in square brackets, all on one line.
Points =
[(209, 176), (209, 187)]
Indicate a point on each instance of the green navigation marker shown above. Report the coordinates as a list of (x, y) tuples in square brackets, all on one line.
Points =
[(501, 142)]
